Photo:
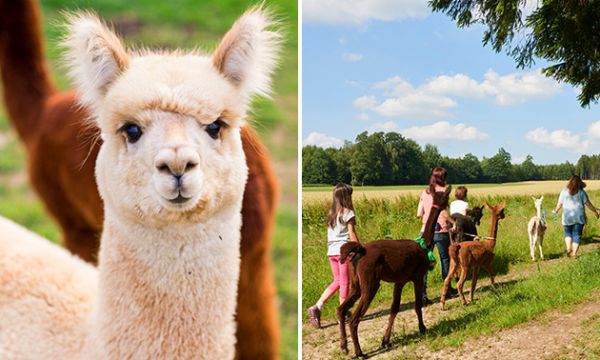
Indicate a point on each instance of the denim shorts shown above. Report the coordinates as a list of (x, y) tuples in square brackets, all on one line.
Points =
[(574, 232)]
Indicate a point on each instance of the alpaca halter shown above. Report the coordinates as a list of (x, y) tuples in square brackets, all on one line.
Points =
[(430, 255), (480, 237)]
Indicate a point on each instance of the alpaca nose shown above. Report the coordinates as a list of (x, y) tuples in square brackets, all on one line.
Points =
[(176, 161)]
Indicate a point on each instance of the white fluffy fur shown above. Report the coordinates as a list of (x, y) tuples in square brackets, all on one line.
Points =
[(536, 229), (167, 280)]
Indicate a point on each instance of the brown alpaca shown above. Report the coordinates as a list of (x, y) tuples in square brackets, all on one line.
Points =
[(395, 261), (474, 254), (62, 151)]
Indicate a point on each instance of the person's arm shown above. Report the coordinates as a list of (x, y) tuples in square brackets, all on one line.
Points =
[(420, 209), (559, 203), (591, 207), (352, 230)]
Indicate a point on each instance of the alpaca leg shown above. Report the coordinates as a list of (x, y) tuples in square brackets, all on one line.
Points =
[(448, 282), (367, 295), (461, 283), (488, 268), (532, 246), (474, 281), (393, 312), (419, 304), (342, 310), (540, 246)]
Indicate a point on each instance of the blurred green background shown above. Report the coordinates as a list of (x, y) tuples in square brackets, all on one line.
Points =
[(183, 24)]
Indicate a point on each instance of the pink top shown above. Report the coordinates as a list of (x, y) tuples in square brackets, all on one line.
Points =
[(424, 208)]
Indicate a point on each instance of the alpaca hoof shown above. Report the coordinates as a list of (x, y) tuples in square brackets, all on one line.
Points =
[(385, 343), (344, 350), (422, 329), (442, 307)]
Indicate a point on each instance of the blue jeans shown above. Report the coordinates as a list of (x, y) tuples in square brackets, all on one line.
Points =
[(442, 242), (574, 232)]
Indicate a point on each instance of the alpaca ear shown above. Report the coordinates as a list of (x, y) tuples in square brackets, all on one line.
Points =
[(502, 205), (487, 206), (542, 198), (95, 57), (448, 190), (533, 198), (247, 55)]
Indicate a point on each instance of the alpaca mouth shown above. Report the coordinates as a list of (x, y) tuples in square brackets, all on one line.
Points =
[(180, 199)]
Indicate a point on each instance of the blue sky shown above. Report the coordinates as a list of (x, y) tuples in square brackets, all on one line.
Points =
[(388, 65)]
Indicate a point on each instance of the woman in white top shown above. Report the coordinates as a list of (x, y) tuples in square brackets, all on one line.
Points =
[(340, 229)]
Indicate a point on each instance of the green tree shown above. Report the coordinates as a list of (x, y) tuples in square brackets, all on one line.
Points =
[(317, 166), (431, 157), (498, 168), (370, 164), (566, 33)]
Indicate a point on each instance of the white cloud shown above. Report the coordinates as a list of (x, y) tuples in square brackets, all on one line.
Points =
[(437, 96), (365, 102), (561, 138), (441, 130), (385, 127), (322, 140), (361, 12), (362, 116), (352, 57), (594, 130), (516, 160)]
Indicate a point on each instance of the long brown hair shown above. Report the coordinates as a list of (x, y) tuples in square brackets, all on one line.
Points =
[(342, 199), (438, 178), (575, 184)]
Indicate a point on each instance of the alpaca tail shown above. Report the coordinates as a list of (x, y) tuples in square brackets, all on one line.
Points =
[(453, 251), (25, 77), (353, 250)]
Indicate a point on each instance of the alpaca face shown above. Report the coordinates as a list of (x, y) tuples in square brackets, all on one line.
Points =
[(538, 202), (170, 122)]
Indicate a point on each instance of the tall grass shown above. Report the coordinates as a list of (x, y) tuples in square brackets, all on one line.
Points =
[(395, 218)]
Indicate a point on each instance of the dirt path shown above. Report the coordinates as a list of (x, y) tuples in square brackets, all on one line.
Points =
[(549, 335)]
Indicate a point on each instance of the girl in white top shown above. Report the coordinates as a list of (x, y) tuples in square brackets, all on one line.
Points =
[(340, 229)]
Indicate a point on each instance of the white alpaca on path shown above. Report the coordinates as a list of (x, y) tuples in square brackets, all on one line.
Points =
[(536, 229), (171, 172)]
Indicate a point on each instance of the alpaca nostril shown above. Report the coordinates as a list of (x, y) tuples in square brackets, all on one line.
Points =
[(190, 166), (163, 168), (178, 179)]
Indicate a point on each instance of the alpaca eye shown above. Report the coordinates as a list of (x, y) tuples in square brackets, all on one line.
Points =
[(133, 132), (214, 129)]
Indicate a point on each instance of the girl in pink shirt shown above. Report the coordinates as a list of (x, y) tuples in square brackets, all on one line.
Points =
[(441, 238)]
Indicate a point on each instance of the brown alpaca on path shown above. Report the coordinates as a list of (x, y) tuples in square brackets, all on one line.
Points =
[(395, 261), (474, 254), (61, 158)]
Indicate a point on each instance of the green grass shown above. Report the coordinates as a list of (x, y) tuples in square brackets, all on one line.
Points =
[(396, 219), (184, 24), (560, 287)]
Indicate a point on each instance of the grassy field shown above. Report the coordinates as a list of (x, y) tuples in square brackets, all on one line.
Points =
[(393, 217), (183, 24), (317, 193)]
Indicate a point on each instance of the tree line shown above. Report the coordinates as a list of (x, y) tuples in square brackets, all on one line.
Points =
[(391, 159)]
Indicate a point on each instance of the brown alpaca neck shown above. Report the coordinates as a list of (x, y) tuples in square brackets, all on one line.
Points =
[(494, 230), (429, 230)]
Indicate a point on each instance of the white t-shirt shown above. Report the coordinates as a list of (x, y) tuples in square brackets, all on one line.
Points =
[(459, 206), (338, 236)]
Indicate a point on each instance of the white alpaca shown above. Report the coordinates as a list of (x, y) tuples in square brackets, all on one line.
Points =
[(171, 172), (536, 229)]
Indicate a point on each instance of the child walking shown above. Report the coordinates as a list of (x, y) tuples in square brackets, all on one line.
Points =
[(340, 229)]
